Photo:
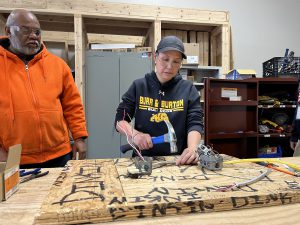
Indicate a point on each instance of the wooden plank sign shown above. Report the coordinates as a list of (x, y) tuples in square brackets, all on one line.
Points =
[(100, 190)]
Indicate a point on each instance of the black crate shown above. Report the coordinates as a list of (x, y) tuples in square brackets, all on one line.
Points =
[(282, 67)]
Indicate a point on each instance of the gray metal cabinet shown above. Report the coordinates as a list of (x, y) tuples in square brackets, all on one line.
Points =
[(109, 75)]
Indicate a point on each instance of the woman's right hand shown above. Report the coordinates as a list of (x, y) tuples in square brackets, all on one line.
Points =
[(142, 141)]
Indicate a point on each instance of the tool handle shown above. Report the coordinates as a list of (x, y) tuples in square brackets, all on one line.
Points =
[(25, 173), (155, 140), (125, 148), (158, 140)]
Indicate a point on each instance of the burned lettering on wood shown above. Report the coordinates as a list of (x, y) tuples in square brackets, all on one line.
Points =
[(117, 213), (195, 177), (75, 189), (199, 206), (294, 185), (172, 199), (189, 193), (58, 182), (137, 199), (117, 200), (162, 209), (161, 190), (153, 198), (239, 202), (247, 188), (141, 211)]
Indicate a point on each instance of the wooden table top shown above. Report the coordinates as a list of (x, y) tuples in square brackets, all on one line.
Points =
[(26, 204)]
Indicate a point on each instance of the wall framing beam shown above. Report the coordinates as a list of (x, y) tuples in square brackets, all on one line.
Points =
[(2, 25), (80, 49), (118, 10), (68, 37)]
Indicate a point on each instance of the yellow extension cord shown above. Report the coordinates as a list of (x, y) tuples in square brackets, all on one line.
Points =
[(268, 160)]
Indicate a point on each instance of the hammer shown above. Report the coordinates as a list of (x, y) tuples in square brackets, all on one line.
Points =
[(169, 137)]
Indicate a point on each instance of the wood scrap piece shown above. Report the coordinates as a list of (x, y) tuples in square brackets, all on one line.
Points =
[(87, 190)]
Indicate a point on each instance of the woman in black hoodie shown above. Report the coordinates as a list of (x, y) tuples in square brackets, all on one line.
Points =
[(163, 95)]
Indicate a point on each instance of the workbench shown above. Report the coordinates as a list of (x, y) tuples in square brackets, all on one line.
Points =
[(26, 204)]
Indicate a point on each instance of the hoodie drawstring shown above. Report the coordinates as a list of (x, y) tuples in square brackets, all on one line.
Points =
[(43, 67), (11, 107)]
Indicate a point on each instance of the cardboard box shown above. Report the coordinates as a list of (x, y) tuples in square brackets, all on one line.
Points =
[(9, 173), (192, 53), (142, 49)]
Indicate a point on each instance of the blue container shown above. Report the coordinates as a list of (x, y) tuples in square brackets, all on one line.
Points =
[(272, 155)]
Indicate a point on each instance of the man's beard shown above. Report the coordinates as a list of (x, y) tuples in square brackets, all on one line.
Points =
[(15, 44)]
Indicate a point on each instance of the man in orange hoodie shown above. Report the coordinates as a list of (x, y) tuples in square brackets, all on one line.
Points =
[(39, 101)]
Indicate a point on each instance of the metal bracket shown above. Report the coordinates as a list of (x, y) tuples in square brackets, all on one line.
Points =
[(209, 158)]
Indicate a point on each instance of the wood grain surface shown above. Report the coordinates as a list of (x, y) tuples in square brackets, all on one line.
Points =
[(100, 191)]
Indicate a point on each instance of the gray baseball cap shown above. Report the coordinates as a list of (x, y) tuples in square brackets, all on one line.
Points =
[(171, 43)]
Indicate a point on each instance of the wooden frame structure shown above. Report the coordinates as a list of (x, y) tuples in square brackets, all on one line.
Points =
[(83, 22)]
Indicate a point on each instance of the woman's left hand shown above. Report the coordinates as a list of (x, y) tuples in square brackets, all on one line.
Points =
[(188, 156)]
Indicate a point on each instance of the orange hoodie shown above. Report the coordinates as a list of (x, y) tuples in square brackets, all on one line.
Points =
[(38, 103)]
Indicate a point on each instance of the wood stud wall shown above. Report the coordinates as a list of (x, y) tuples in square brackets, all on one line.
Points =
[(2, 25), (80, 49), (143, 23)]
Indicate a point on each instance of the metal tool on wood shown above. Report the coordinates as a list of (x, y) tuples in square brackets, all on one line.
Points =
[(141, 167), (209, 158), (144, 167), (169, 137), (31, 174)]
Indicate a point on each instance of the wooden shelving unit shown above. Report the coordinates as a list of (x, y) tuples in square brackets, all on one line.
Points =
[(280, 88), (80, 23), (231, 127)]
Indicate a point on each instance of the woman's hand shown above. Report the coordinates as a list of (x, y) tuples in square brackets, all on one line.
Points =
[(142, 141), (188, 156)]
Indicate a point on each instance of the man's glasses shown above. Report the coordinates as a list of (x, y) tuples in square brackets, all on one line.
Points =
[(28, 30), (166, 62)]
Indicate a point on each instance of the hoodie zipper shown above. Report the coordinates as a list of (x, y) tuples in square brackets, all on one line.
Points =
[(35, 104)]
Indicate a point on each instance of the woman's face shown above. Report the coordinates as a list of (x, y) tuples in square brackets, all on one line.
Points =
[(167, 65)]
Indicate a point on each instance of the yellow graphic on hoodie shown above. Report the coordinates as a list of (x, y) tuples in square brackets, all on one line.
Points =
[(160, 107), (159, 117)]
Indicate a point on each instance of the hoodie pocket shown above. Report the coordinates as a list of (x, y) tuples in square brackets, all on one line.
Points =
[(54, 129), (22, 130)]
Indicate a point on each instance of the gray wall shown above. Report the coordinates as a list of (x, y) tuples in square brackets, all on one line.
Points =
[(261, 29)]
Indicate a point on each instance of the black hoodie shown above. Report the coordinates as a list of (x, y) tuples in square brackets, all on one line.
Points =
[(151, 103)]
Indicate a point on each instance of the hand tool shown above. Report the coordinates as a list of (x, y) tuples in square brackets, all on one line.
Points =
[(268, 160), (274, 167), (169, 137), (25, 173), (33, 176)]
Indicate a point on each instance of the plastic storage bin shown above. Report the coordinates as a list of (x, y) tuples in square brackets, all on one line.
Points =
[(278, 154), (282, 67)]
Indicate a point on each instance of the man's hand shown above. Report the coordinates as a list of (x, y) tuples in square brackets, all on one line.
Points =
[(293, 145), (80, 147), (3, 155), (188, 156)]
